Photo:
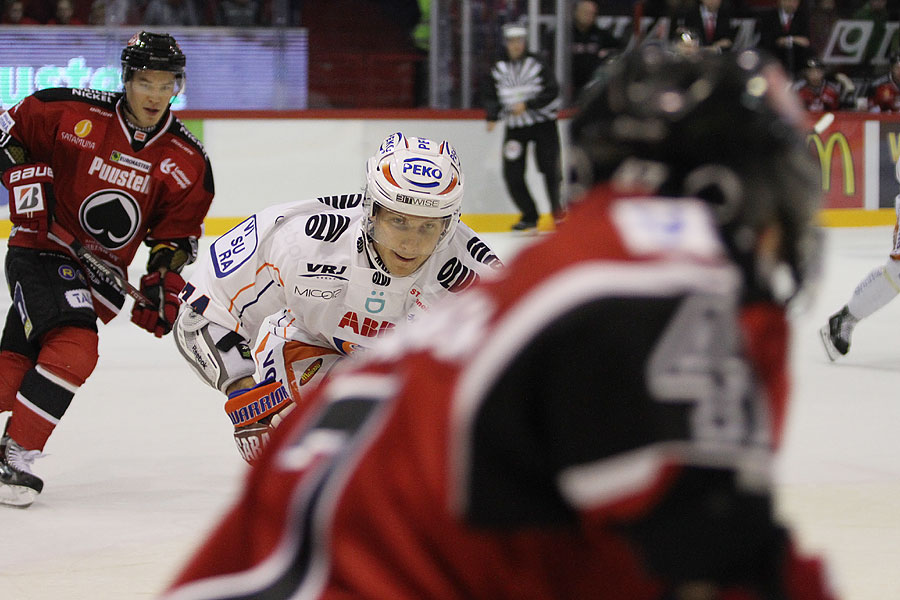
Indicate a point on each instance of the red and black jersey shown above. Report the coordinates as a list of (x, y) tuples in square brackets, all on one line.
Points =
[(826, 96), (115, 186), (596, 423), (884, 95)]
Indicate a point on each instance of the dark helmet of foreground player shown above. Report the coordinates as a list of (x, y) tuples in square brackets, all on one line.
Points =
[(723, 128), (156, 52)]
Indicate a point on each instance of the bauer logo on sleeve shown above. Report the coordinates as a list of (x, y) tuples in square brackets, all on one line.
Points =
[(234, 248)]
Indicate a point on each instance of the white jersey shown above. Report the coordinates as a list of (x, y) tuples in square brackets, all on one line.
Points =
[(304, 272)]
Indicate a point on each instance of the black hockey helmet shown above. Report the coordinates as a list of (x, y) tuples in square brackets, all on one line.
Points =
[(153, 51), (724, 128)]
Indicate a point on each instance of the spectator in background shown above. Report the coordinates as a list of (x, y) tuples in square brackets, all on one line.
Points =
[(821, 21), (784, 32), (711, 21), (238, 13), (876, 12), (114, 12), (14, 14), (884, 92), (815, 91), (524, 94), (591, 46), (172, 12), (64, 14)]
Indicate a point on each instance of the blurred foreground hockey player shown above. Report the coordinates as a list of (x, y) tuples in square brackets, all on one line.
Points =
[(100, 171), (598, 422), (323, 277)]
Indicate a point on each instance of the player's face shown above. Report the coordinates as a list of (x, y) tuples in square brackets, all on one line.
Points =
[(515, 47), (405, 242), (148, 94)]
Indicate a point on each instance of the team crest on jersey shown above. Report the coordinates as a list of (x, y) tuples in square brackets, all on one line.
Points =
[(66, 272), (111, 217), (234, 248)]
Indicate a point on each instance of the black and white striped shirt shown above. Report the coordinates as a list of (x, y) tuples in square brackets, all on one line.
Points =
[(527, 80)]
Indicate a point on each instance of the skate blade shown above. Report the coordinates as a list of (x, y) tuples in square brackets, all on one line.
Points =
[(830, 351), (19, 496)]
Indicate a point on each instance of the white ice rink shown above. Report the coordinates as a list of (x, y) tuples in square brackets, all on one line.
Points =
[(144, 462)]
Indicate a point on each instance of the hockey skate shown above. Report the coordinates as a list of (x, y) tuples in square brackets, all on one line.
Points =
[(836, 334), (524, 226), (18, 485)]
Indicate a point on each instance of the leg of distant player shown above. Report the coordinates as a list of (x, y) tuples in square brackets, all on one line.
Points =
[(515, 151), (547, 153), (878, 288)]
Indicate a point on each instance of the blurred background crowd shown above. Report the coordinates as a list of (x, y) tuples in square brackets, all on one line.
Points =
[(842, 54)]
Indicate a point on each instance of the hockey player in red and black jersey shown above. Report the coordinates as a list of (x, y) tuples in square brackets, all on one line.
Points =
[(112, 171), (816, 92), (599, 421), (884, 92)]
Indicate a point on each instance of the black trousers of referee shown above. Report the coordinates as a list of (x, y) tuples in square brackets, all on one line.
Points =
[(545, 137)]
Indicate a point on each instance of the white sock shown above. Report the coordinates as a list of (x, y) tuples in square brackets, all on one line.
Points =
[(877, 289)]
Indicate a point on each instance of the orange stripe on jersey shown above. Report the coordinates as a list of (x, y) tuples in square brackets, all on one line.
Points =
[(247, 287)]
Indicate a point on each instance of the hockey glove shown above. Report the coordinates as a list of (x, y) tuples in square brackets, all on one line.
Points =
[(163, 290), (255, 412), (31, 197)]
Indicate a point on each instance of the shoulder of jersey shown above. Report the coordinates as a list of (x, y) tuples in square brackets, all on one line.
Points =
[(105, 100), (179, 130), (336, 211)]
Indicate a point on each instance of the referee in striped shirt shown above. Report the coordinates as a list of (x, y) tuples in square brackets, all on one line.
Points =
[(524, 93)]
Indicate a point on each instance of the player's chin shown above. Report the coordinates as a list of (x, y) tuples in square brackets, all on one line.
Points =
[(402, 266)]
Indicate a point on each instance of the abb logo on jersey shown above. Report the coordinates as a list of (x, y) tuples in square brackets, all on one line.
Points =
[(29, 172), (368, 327)]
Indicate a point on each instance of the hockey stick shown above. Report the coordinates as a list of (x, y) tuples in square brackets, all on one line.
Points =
[(93, 262), (823, 123)]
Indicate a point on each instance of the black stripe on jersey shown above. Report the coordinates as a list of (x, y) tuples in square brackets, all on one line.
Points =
[(180, 130), (346, 416), (342, 201), (105, 100), (327, 227), (456, 277), (483, 253)]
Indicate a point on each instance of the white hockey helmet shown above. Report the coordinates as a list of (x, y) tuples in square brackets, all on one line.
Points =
[(418, 177)]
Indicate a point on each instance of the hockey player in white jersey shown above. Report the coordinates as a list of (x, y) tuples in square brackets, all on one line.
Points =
[(310, 282)]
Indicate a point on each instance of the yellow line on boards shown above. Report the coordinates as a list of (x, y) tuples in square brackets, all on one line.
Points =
[(493, 223)]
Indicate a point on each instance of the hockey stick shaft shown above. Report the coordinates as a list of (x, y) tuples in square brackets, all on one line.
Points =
[(93, 262)]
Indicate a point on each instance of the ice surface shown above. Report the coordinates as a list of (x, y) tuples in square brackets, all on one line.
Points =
[(144, 462)]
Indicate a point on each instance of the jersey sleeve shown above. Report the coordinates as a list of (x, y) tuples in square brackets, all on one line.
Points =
[(33, 124), (239, 281)]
